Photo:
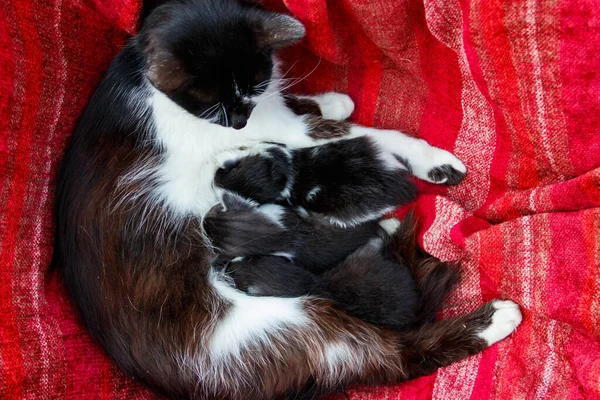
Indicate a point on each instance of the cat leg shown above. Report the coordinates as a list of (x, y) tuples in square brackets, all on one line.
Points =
[(269, 347), (393, 357), (331, 105), (424, 161), (440, 343)]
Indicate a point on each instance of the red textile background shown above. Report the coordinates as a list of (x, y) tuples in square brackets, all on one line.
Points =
[(511, 87)]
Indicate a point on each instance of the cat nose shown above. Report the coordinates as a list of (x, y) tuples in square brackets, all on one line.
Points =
[(238, 121), (239, 115)]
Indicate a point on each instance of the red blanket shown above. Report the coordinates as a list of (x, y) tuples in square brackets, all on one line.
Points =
[(511, 87)]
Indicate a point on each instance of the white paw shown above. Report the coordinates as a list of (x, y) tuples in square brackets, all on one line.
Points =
[(334, 105), (507, 316), (390, 225), (439, 166)]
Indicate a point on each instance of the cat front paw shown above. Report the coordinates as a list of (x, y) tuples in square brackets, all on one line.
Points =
[(333, 105), (440, 167), (446, 175)]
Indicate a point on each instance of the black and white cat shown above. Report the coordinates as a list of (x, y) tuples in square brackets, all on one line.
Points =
[(154, 211)]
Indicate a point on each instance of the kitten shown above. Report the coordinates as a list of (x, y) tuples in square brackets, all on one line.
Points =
[(347, 181), (300, 253), (195, 90)]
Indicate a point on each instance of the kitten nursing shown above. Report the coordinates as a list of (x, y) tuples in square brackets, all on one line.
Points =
[(222, 240)]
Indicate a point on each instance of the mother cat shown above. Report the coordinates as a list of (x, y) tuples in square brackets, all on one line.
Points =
[(195, 89)]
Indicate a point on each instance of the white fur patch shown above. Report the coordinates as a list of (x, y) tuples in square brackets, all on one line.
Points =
[(274, 213), (390, 162), (390, 225), (301, 211), (185, 176), (312, 193), (359, 219), (505, 320), (251, 319), (283, 254), (337, 354), (333, 105), (375, 243)]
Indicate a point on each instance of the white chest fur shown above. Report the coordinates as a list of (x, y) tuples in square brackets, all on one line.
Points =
[(194, 148)]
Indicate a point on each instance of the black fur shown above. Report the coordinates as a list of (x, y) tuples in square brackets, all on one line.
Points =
[(241, 230), (354, 267), (214, 52), (262, 177), (353, 182), (367, 284), (343, 180)]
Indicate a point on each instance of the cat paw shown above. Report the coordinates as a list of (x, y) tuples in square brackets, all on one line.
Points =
[(446, 175), (505, 318), (440, 167), (334, 105)]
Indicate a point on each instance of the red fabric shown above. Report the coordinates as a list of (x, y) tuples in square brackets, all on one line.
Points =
[(511, 87)]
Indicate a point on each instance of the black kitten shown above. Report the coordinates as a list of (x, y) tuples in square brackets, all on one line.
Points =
[(345, 181)]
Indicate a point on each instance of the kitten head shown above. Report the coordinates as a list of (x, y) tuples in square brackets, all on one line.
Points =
[(212, 57)]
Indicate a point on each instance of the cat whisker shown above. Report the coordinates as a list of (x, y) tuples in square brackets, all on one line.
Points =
[(289, 69), (298, 80), (293, 82), (277, 81), (225, 114), (209, 111)]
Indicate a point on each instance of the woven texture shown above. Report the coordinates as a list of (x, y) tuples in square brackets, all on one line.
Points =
[(511, 87)]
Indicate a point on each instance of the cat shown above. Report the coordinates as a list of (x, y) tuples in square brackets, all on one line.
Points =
[(195, 91)]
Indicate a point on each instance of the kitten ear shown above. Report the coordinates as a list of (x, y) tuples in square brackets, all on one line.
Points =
[(275, 31), (164, 69)]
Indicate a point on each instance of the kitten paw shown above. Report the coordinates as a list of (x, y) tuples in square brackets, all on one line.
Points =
[(334, 105), (504, 320)]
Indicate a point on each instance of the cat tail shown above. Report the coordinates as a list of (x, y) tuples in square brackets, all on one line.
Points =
[(435, 279)]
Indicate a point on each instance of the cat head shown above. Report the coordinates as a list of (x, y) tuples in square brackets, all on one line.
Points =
[(213, 57)]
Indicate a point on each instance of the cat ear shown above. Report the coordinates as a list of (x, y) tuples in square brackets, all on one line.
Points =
[(164, 69), (275, 31)]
